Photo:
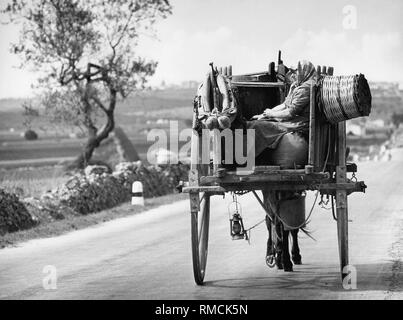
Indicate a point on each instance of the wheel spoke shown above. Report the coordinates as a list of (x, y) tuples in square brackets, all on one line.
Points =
[(202, 198), (201, 228), (203, 215)]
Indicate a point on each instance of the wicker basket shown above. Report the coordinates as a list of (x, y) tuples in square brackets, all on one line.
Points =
[(344, 97)]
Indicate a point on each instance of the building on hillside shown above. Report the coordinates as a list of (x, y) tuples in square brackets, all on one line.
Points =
[(385, 89), (354, 129), (191, 84)]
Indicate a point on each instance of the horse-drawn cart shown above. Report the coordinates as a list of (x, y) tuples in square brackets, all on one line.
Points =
[(326, 169)]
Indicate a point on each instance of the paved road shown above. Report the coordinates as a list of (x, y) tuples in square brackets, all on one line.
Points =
[(148, 256)]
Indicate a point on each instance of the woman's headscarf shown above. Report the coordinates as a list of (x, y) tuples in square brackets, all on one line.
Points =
[(305, 71)]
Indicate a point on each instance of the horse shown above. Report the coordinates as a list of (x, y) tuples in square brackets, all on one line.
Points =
[(277, 252)]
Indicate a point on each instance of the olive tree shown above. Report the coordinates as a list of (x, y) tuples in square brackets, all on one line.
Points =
[(84, 52)]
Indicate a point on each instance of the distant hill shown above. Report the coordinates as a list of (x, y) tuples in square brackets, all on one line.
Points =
[(11, 104), (145, 103), (147, 100), (157, 99)]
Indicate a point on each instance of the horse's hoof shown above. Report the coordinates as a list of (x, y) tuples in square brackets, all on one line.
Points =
[(279, 265), (297, 260), (288, 269), (270, 261)]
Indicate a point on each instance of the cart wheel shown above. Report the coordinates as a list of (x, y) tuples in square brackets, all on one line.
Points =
[(200, 230)]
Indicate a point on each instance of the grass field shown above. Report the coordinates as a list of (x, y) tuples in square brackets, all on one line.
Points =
[(32, 182)]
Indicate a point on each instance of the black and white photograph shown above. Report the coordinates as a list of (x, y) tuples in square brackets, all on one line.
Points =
[(201, 155)]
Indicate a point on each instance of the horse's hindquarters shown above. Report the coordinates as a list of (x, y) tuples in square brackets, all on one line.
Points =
[(292, 212)]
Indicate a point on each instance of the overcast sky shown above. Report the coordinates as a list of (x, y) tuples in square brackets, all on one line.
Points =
[(248, 34)]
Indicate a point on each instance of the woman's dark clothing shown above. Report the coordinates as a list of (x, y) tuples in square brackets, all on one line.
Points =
[(268, 132)]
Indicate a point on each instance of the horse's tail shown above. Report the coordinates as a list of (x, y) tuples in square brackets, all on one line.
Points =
[(306, 231)]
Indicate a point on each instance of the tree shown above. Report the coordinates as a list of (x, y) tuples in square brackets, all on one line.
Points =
[(85, 53)]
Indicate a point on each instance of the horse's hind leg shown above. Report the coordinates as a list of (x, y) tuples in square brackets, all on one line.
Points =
[(287, 264), (270, 254), (295, 254), (279, 244)]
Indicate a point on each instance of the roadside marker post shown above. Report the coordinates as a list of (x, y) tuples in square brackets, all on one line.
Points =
[(137, 194)]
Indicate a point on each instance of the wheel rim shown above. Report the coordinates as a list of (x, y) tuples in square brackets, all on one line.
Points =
[(200, 232), (203, 231)]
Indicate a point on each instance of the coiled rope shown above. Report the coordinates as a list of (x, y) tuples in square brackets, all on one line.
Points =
[(344, 97)]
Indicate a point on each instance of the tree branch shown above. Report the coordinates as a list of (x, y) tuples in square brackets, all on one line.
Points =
[(123, 32)]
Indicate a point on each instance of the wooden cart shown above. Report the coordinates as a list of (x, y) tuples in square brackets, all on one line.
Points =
[(326, 170)]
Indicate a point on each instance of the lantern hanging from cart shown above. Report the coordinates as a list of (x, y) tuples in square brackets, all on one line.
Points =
[(237, 229)]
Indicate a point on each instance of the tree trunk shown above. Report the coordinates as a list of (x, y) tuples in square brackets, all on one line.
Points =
[(85, 156), (96, 137)]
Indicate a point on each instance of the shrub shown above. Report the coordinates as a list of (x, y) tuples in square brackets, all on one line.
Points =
[(14, 216), (98, 190), (30, 135), (92, 193)]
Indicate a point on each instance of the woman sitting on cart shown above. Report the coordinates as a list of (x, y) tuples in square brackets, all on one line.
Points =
[(290, 116)]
